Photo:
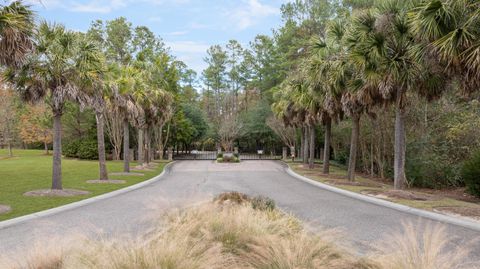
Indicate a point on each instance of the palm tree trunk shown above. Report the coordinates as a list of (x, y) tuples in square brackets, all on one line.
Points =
[(126, 146), (302, 143), (102, 163), (140, 146), (57, 152), (305, 146), (326, 150), (148, 150), (352, 159), (400, 146), (311, 161)]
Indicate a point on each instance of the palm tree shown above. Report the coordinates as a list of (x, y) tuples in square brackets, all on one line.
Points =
[(16, 29), (56, 72), (450, 36), (387, 51), (325, 89), (123, 81), (94, 91)]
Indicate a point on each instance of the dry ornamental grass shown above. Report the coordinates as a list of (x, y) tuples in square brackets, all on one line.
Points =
[(231, 233)]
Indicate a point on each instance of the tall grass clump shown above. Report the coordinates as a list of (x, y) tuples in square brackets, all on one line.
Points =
[(236, 231), (430, 248)]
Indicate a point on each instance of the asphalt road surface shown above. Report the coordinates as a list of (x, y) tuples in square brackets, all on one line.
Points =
[(187, 182)]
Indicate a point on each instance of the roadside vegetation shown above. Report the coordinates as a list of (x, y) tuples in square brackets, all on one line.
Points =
[(386, 88), (456, 202), (31, 170), (236, 231)]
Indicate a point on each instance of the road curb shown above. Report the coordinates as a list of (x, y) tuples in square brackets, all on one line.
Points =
[(52, 211), (402, 208)]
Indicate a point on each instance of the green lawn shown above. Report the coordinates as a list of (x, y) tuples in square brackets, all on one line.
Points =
[(30, 170)]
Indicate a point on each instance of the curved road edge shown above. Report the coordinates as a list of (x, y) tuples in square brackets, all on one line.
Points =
[(55, 210), (403, 208)]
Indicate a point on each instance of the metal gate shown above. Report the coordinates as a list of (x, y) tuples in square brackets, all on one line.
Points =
[(212, 155), (195, 155)]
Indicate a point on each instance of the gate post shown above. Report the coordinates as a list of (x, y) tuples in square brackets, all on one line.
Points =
[(170, 154), (284, 153), (292, 153), (235, 150)]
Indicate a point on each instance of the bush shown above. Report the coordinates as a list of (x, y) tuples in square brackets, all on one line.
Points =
[(70, 149), (342, 157), (471, 174), (431, 169), (263, 203), (88, 150), (82, 149), (220, 155)]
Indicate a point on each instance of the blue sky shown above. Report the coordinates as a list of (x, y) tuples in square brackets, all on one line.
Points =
[(189, 27)]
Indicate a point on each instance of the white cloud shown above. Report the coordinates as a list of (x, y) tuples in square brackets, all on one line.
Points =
[(99, 6), (191, 52), (250, 13)]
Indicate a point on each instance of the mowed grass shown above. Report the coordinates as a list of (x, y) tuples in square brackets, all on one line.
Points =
[(32, 170)]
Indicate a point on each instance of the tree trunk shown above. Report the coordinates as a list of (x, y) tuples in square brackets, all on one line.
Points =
[(352, 159), (140, 146), (302, 143), (57, 152), (326, 151), (10, 152), (400, 146), (311, 161), (148, 145), (305, 146), (126, 146), (160, 144), (45, 145), (102, 162)]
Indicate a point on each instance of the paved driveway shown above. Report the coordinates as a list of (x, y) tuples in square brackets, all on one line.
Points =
[(190, 181)]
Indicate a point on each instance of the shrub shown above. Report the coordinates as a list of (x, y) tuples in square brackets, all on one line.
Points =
[(220, 155), (236, 155), (70, 149), (82, 149), (471, 174), (263, 203), (88, 150), (342, 157), (220, 159)]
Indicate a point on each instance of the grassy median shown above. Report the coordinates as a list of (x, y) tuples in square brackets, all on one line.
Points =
[(32, 170)]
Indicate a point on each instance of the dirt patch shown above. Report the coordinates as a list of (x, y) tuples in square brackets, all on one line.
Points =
[(401, 194), (329, 176), (126, 174), (56, 193), (354, 183), (108, 181), (471, 212), (143, 168), (457, 194), (5, 209)]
